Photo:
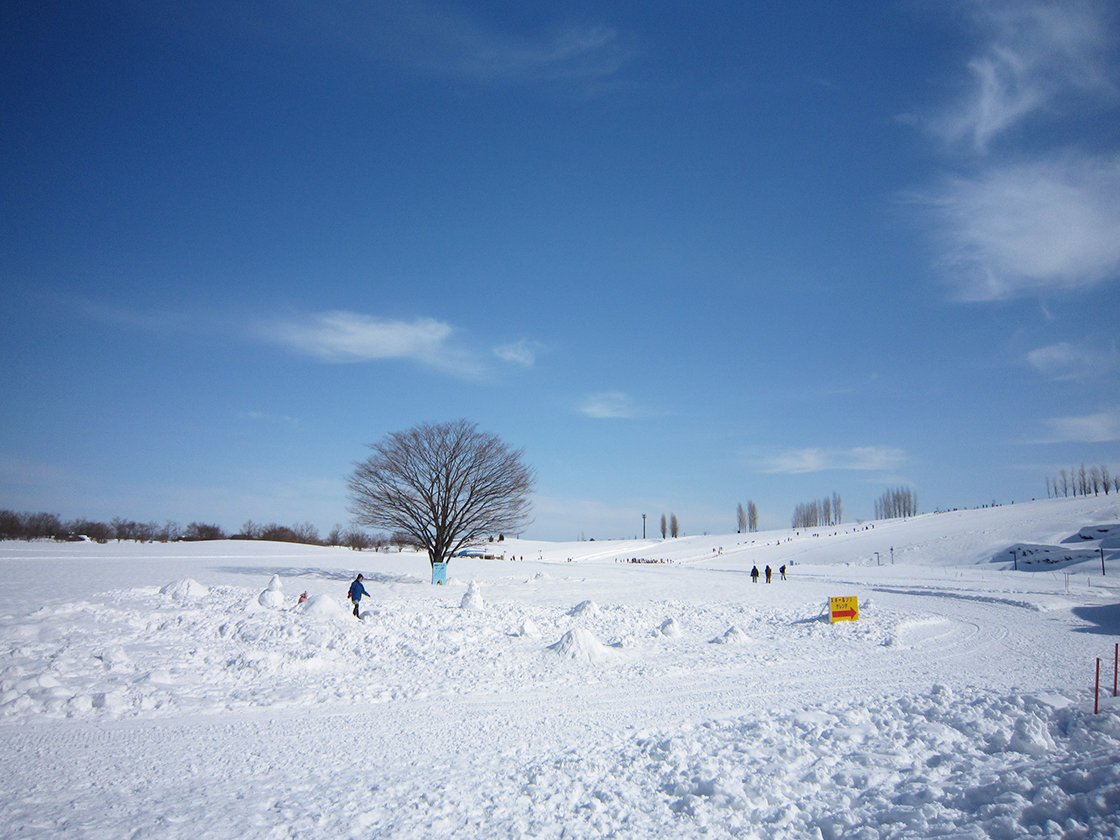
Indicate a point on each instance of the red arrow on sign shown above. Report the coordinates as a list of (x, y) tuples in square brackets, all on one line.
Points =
[(844, 614)]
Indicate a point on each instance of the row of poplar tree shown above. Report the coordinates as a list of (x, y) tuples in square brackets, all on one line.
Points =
[(1079, 481)]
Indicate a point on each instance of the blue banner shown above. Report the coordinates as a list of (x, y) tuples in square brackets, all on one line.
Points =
[(439, 574)]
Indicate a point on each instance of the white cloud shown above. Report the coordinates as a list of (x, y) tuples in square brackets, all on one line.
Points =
[(1035, 55), (796, 461), (1102, 427), (608, 405), (353, 337), (1041, 222), (522, 353), (1032, 228), (1065, 362)]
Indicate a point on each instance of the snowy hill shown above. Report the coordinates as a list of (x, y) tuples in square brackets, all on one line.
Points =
[(183, 691)]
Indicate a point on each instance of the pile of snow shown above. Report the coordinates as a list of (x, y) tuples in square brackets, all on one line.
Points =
[(580, 644), (186, 589), (584, 609), (529, 629), (732, 636), (670, 627), (273, 596), (323, 605)]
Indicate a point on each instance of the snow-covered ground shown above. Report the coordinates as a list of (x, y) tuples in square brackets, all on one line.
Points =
[(180, 691)]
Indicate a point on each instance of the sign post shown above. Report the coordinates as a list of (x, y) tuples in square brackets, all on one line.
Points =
[(844, 609), (439, 574)]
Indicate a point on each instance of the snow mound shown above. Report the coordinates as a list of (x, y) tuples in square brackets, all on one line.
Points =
[(472, 600), (529, 629), (670, 627), (273, 596), (583, 608), (580, 644), (186, 589), (1031, 737), (323, 606), (733, 636), (1099, 532)]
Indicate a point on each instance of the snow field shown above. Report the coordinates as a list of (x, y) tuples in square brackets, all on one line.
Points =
[(181, 691)]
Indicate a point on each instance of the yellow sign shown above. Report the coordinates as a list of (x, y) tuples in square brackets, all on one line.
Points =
[(844, 609)]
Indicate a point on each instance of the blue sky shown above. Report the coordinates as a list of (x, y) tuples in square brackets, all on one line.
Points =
[(684, 257)]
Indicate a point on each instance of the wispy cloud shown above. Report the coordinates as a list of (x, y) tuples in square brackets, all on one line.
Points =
[(439, 38), (1029, 221), (352, 337), (1035, 56), (1102, 427), (796, 461), (1038, 227), (608, 405), (1065, 361), (523, 353)]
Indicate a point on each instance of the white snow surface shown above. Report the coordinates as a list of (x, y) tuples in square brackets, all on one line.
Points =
[(150, 690)]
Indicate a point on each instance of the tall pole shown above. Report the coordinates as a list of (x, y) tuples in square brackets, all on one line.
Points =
[(643, 526), (1101, 550)]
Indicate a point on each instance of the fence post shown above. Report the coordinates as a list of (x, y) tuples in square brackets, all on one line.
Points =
[(1097, 689)]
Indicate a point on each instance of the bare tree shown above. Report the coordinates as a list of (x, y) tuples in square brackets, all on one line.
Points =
[(741, 516), (664, 527), (446, 485), (897, 502), (674, 526), (1106, 478), (752, 516)]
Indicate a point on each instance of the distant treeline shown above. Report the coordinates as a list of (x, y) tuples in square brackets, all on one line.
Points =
[(896, 503), (1080, 481), (819, 513), (49, 526)]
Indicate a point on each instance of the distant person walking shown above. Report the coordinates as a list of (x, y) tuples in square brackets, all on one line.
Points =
[(782, 572), (768, 573), (356, 593), (754, 575)]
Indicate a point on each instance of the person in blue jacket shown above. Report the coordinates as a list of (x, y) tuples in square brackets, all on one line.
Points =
[(356, 593)]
